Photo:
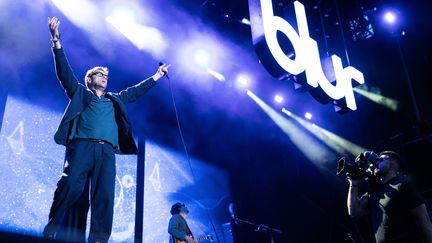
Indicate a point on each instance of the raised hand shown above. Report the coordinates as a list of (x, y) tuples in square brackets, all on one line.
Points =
[(53, 25), (162, 71)]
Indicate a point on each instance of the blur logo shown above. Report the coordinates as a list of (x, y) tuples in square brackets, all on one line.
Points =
[(273, 37)]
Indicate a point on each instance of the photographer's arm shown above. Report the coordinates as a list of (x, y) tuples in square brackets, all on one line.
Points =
[(357, 206)]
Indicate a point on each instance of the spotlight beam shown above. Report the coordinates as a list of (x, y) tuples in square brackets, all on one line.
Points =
[(86, 15), (216, 74), (390, 103), (79, 12), (143, 37), (341, 145), (316, 152)]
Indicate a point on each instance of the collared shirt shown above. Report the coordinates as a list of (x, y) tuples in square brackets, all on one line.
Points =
[(97, 121)]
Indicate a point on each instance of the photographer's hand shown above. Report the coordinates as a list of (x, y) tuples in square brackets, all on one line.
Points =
[(353, 181), (357, 207)]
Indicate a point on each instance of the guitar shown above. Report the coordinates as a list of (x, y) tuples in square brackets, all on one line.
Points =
[(208, 237)]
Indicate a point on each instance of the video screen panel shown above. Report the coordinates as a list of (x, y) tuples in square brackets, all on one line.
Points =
[(31, 164)]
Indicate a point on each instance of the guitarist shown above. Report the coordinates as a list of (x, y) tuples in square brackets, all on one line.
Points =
[(178, 228)]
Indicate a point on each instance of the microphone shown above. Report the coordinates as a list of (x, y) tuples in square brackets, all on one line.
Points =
[(231, 211), (164, 72)]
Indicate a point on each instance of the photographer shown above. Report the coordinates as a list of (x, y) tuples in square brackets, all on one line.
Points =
[(395, 209)]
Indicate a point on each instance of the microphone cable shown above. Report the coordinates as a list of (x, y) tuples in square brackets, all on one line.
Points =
[(179, 127), (186, 151)]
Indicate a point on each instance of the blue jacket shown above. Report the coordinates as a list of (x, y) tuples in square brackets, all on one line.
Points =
[(178, 227), (80, 97)]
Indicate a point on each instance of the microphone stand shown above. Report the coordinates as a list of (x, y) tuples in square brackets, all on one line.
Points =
[(259, 227)]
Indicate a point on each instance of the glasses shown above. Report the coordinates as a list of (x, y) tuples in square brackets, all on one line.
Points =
[(99, 74)]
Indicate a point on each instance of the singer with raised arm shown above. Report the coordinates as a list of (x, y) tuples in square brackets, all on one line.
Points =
[(94, 127)]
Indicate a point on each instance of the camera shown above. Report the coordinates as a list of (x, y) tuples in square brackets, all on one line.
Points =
[(361, 168)]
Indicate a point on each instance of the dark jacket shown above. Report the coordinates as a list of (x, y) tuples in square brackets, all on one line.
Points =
[(178, 227), (80, 97)]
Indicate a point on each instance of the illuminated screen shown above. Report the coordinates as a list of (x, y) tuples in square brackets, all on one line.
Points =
[(31, 164)]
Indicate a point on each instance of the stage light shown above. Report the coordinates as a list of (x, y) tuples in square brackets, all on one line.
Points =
[(308, 115), (392, 21), (390, 17), (286, 111), (145, 38), (312, 149), (246, 21), (242, 81), (279, 99), (217, 75), (202, 58), (201, 54)]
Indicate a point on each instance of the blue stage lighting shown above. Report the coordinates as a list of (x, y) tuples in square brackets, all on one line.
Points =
[(202, 58), (145, 38), (242, 81), (279, 99), (390, 17), (216, 74), (125, 11)]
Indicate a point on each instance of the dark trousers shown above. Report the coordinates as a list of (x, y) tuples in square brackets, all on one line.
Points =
[(85, 162), (74, 224)]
